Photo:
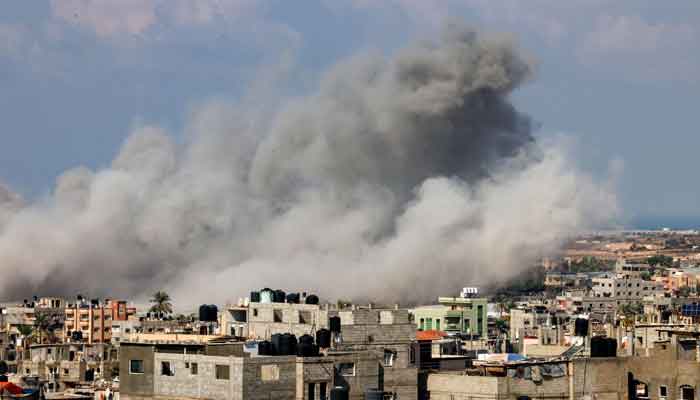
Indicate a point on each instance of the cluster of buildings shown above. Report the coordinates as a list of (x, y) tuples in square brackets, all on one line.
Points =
[(617, 334)]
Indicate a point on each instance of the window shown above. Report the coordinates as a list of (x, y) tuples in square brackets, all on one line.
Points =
[(255, 312), (136, 366), (222, 372), (346, 369), (166, 369), (437, 323), (194, 369), (312, 391), (642, 390), (428, 323), (322, 388), (389, 357), (269, 372), (687, 392), (422, 324), (277, 315), (66, 371), (663, 391)]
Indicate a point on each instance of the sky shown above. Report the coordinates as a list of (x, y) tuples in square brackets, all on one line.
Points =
[(619, 78)]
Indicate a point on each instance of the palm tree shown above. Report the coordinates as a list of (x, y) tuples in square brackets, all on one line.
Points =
[(25, 330), (161, 303), (41, 324)]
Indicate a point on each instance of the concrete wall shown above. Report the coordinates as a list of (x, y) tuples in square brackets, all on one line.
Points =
[(263, 324), (597, 377), (136, 386), (202, 385), (280, 375)]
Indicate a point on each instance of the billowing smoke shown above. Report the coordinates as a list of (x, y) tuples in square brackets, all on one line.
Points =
[(399, 179)]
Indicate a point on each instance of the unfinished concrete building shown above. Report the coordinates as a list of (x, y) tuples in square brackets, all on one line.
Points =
[(66, 365), (262, 320), (227, 371)]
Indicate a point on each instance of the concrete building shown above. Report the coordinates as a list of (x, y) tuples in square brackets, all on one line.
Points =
[(566, 280), (94, 320), (671, 371), (387, 333), (525, 322), (261, 320), (66, 365), (467, 316), (226, 371), (626, 285)]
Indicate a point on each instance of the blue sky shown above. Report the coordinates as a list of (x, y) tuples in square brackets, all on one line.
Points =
[(621, 77)]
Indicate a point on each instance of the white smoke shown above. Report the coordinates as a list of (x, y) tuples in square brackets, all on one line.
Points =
[(400, 179)]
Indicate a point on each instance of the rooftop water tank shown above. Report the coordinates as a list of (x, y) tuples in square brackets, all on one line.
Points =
[(266, 295), (340, 393)]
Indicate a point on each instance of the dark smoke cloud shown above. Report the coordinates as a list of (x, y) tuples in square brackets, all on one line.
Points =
[(400, 178)]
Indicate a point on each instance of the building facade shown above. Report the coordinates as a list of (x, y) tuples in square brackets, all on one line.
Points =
[(94, 320), (466, 316)]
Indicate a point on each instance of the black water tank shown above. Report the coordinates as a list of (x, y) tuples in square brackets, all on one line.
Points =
[(611, 347), (312, 299), (323, 338), (265, 348), (284, 344), (599, 346), (276, 341), (334, 324), (293, 298), (581, 327), (306, 339), (204, 312), (340, 393), (374, 394), (306, 347), (208, 313), (255, 297), (278, 296)]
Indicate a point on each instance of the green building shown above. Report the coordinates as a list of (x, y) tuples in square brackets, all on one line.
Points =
[(454, 315)]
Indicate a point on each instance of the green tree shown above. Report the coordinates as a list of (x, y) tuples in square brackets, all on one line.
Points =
[(41, 325), (660, 260), (25, 330), (161, 303)]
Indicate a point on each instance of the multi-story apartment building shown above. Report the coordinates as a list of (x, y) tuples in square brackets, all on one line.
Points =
[(466, 316), (94, 319), (626, 284)]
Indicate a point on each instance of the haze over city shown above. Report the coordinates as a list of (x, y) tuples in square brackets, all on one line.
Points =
[(230, 142), (349, 200)]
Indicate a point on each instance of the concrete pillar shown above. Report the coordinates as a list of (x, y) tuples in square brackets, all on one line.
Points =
[(571, 380)]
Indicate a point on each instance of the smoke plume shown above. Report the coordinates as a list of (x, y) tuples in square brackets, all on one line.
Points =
[(400, 178)]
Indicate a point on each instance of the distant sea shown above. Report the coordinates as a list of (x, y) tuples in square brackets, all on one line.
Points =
[(654, 223)]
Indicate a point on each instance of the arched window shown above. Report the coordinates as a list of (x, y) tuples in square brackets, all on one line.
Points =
[(687, 392)]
